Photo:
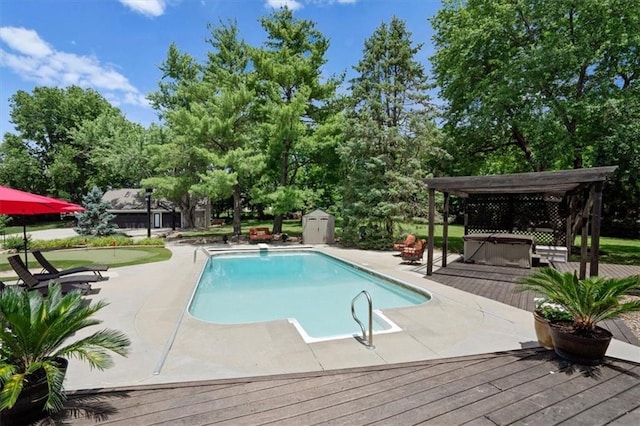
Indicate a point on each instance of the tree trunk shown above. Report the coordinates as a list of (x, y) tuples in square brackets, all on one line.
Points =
[(277, 223), (284, 172), (237, 210), (188, 208)]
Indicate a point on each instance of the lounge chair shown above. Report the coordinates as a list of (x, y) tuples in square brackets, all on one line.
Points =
[(28, 280), (415, 253), (410, 241), (47, 266), (259, 235)]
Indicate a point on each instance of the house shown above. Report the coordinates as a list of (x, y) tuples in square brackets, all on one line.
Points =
[(129, 205)]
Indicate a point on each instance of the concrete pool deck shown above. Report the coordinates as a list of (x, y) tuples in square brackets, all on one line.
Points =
[(148, 303)]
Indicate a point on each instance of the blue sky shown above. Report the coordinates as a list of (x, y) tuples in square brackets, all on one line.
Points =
[(116, 46)]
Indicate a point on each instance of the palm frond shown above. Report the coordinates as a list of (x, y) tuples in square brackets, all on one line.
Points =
[(34, 331)]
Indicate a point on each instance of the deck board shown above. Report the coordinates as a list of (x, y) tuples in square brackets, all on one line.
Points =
[(499, 283), (522, 387)]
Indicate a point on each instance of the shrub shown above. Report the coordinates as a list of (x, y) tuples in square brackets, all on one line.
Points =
[(58, 243), (150, 242), (16, 243), (116, 240)]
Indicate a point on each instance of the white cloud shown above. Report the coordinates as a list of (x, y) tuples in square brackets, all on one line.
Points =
[(150, 8), (35, 60), (299, 4), (290, 4), (25, 41)]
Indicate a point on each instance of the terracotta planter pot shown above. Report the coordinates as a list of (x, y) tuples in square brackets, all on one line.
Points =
[(579, 349), (543, 331), (30, 404)]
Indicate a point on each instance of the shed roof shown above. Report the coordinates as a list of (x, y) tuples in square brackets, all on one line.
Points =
[(317, 213), (553, 182)]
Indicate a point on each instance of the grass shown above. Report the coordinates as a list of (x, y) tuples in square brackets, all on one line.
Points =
[(612, 250), (114, 257), (292, 228), (615, 250), (17, 229)]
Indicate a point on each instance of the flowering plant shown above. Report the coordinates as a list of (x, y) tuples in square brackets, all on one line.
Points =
[(551, 311)]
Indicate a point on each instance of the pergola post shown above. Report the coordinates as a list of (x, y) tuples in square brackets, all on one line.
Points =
[(568, 240), (445, 229), (595, 229), (432, 213), (584, 237)]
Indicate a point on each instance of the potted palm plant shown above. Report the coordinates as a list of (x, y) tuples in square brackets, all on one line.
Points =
[(35, 336), (588, 301)]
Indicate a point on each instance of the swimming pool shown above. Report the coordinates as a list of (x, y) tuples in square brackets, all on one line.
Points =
[(311, 289)]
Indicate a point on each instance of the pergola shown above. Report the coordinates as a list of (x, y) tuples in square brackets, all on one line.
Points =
[(588, 182)]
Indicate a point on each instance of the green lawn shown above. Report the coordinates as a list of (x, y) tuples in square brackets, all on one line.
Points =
[(114, 257), (17, 228), (612, 250)]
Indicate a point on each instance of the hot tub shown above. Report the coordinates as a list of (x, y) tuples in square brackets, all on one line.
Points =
[(498, 249)]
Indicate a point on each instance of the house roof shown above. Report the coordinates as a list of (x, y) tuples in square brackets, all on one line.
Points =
[(553, 182), (126, 199), (134, 199)]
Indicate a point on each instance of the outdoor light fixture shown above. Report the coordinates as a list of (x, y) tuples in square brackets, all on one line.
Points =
[(148, 192)]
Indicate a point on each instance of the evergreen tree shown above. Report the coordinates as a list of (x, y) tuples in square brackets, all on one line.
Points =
[(95, 220), (390, 134)]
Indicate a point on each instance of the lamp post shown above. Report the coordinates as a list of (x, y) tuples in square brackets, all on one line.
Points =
[(148, 192)]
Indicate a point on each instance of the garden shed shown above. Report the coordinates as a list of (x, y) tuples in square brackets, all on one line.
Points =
[(318, 227), (538, 204)]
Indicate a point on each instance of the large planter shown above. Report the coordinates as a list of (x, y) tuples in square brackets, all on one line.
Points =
[(579, 349), (543, 331), (30, 404)]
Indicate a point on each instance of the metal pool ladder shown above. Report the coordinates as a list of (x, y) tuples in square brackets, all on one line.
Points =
[(367, 342)]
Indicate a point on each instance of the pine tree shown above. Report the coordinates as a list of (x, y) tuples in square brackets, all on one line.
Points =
[(390, 133), (95, 220)]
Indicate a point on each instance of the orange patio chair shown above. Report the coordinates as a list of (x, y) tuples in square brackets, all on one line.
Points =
[(410, 241), (414, 254)]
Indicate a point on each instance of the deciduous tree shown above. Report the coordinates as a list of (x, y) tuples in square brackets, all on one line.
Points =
[(44, 121), (540, 85), (296, 101)]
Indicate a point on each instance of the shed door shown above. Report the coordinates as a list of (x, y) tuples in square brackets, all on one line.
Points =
[(323, 225), (157, 220), (311, 233)]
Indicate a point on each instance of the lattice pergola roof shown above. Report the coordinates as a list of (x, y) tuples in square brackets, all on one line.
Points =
[(554, 183)]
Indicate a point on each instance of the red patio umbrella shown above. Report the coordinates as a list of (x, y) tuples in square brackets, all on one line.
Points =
[(20, 203)]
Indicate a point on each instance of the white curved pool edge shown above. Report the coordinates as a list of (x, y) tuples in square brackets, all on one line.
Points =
[(393, 328)]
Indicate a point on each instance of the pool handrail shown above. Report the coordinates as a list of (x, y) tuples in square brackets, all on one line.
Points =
[(367, 342), (195, 252)]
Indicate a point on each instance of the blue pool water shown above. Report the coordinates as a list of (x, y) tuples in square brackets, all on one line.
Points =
[(311, 287)]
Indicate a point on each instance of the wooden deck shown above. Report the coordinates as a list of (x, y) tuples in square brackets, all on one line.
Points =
[(528, 386), (604, 269), (498, 283)]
